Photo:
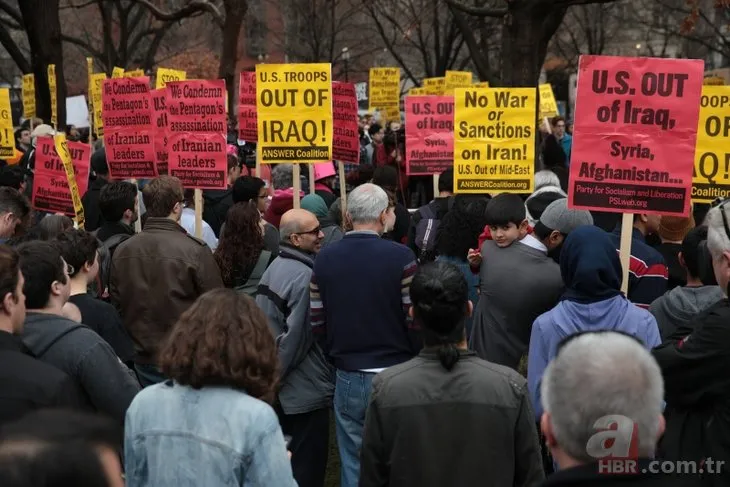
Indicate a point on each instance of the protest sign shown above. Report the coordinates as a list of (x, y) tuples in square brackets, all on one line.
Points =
[(97, 80), (711, 176), (128, 128), (456, 79), (117, 72), (481, 84), (159, 114), (384, 88), (64, 153), (548, 105), (346, 140), (634, 135), (165, 76), (417, 91), (294, 106), (435, 86), (196, 128), (135, 73), (247, 125), (54, 94), (7, 138), (29, 95), (429, 134), (494, 147), (361, 89), (51, 190)]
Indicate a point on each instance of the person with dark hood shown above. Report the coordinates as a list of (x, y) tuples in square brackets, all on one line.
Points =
[(90, 200), (412, 403), (592, 301), (316, 205), (554, 159)]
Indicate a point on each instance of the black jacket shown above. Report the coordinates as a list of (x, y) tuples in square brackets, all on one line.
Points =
[(695, 363), (108, 230), (589, 476), (427, 426), (217, 203), (90, 200), (440, 207), (27, 383)]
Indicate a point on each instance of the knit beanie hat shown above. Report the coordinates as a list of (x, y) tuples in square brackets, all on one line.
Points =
[(675, 228), (557, 216)]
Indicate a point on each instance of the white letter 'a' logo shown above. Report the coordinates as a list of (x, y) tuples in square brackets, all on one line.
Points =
[(614, 437)]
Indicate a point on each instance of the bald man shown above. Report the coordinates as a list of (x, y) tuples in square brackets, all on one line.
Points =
[(307, 379)]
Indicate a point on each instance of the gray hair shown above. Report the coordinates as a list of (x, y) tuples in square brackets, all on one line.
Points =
[(598, 375), (546, 178), (366, 202), (717, 239), (282, 176)]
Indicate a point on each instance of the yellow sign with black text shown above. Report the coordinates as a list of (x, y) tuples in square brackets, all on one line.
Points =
[(62, 149), (7, 139), (494, 148), (435, 86), (97, 80), (29, 95), (384, 85), (54, 94), (294, 108), (711, 176), (481, 84), (548, 105), (456, 79), (165, 76), (117, 72), (135, 73)]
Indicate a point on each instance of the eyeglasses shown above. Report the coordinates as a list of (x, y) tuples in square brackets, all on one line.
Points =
[(721, 206), (314, 232)]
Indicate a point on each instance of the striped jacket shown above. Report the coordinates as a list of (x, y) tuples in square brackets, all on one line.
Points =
[(648, 272)]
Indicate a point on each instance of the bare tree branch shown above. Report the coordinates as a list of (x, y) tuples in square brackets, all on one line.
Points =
[(71, 4), (193, 7), (7, 41), (11, 12), (83, 45), (495, 12)]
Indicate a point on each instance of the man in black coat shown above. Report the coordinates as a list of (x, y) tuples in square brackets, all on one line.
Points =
[(90, 199)]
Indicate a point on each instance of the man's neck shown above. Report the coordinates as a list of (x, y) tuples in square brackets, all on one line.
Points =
[(79, 285), (51, 309), (126, 221), (693, 281), (641, 228), (368, 227), (445, 194), (6, 325)]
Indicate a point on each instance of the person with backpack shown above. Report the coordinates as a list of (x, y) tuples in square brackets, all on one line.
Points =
[(306, 377), (241, 254), (425, 222)]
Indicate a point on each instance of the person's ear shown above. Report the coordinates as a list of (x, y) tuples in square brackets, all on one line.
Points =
[(547, 430), (680, 258), (56, 287), (644, 218), (8, 302), (469, 308), (523, 225), (410, 311), (662, 427)]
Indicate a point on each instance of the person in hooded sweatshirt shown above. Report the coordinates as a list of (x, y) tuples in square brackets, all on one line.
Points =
[(70, 346), (680, 305), (592, 301), (331, 229)]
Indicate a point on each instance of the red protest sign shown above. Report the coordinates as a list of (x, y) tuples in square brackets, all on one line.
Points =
[(128, 128), (51, 192), (247, 122), (429, 134), (197, 126), (160, 116), (345, 136), (634, 134)]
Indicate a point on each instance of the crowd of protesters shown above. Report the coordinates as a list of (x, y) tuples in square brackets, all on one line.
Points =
[(475, 340)]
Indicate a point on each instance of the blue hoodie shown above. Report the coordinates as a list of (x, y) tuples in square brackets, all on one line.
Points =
[(591, 271)]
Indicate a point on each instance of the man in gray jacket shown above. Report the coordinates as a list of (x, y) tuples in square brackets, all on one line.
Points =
[(74, 348), (307, 379)]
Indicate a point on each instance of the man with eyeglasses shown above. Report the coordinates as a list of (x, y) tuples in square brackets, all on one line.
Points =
[(695, 361), (70, 346), (307, 379)]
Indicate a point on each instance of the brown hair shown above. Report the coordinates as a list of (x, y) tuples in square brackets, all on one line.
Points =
[(161, 195), (223, 339), (240, 245)]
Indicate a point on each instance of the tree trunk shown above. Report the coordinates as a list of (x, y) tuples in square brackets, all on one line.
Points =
[(235, 13), (43, 28)]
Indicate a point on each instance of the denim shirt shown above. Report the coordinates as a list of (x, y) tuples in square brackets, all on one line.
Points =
[(177, 436)]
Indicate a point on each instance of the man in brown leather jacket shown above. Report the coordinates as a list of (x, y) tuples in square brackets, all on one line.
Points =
[(157, 274)]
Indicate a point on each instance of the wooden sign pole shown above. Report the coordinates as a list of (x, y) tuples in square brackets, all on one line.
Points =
[(297, 187), (627, 228), (198, 213)]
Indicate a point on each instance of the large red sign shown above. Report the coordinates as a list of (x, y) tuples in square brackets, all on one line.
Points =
[(429, 134), (128, 128), (51, 193), (345, 137), (160, 116), (247, 122), (197, 126), (634, 135)]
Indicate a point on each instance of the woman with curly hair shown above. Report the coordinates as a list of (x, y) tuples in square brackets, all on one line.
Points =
[(212, 423), (459, 231), (241, 255)]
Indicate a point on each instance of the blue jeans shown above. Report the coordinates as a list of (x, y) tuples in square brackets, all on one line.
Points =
[(148, 374), (352, 393)]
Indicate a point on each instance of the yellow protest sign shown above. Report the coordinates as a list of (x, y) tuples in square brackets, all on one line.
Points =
[(417, 91), (548, 106), (711, 177), (494, 148), (135, 73), (384, 84), (294, 108), (62, 149), (456, 79), (390, 114), (165, 76), (435, 86), (54, 94), (97, 80), (713, 81), (7, 141), (117, 72), (481, 84), (29, 95)]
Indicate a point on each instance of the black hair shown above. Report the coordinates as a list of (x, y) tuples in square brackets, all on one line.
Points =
[(446, 180), (12, 177), (440, 297), (246, 188), (13, 201), (460, 228), (77, 247), (552, 153), (691, 249), (374, 129), (386, 177), (41, 265), (115, 198), (505, 208)]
